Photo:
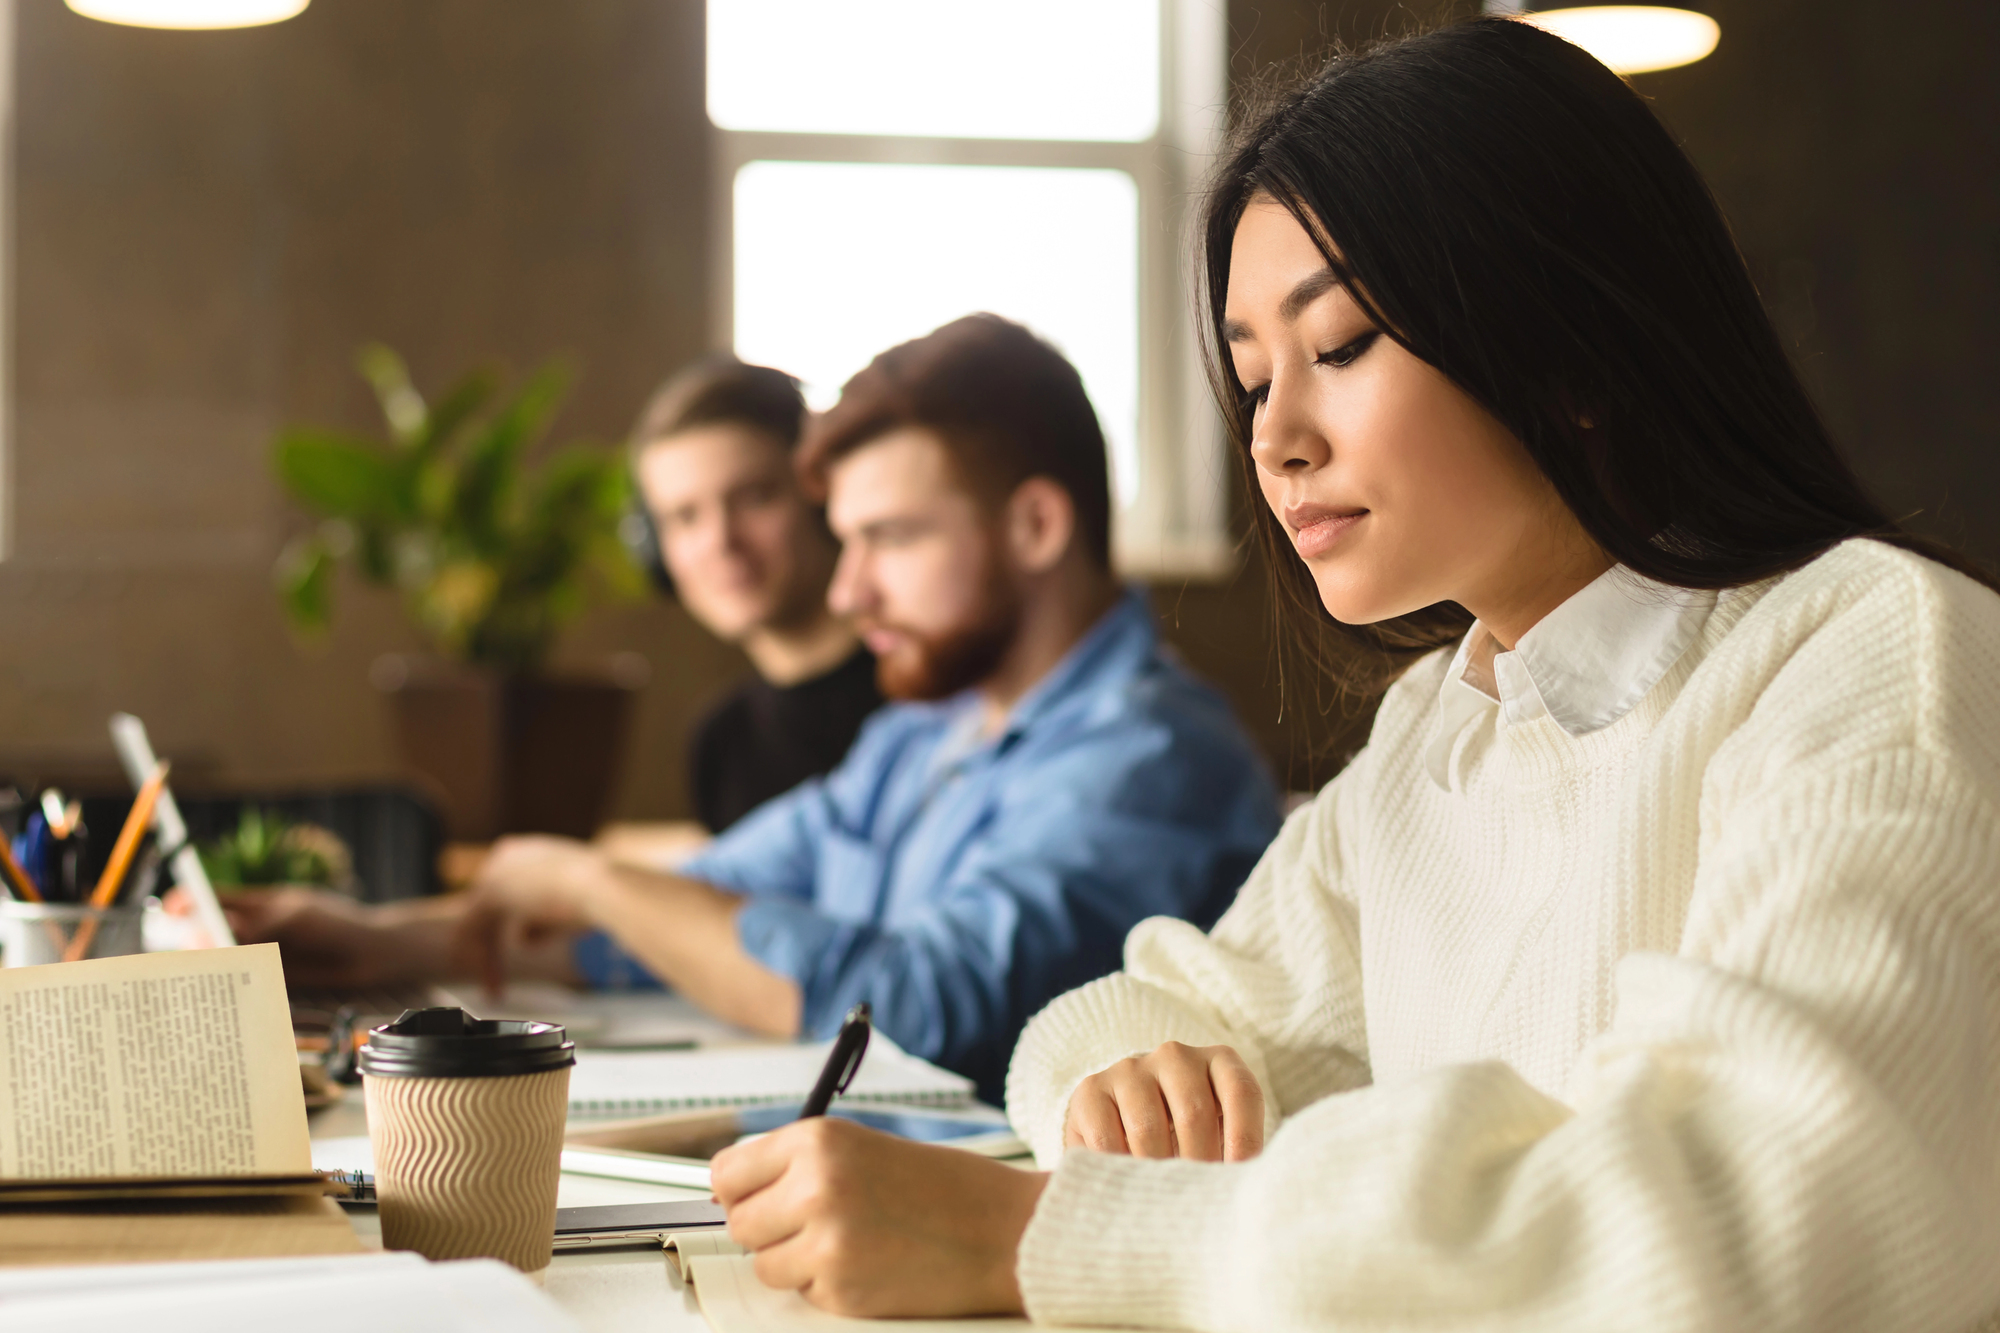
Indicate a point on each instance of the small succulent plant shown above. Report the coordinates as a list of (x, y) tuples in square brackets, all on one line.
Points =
[(269, 849)]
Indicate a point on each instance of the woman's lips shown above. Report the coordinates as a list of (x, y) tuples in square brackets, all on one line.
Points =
[(1317, 528)]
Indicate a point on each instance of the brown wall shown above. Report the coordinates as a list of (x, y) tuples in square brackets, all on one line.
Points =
[(1856, 149), (207, 224)]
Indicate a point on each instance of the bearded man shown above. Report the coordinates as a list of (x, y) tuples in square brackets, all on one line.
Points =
[(1047, 777)]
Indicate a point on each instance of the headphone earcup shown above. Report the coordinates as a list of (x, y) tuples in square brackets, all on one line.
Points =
[(642, 541)]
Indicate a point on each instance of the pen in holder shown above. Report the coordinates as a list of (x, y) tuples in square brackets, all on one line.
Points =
[(44, 932)]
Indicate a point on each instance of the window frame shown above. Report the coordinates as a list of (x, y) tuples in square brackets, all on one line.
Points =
[(1178, 523)]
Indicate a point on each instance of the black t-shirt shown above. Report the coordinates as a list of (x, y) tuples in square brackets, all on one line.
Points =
[(764, 739)]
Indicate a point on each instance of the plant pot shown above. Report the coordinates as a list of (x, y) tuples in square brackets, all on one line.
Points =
[(510, 753)]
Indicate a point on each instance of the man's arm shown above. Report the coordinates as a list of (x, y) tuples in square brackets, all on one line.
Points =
[(328, 939), (1126, 821), (681, 929)]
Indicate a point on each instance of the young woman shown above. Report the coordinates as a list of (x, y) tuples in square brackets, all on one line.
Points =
[(732, 534), (1644, 969)]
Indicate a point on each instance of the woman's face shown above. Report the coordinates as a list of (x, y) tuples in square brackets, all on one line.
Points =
[(1396, 488), (744, 547)]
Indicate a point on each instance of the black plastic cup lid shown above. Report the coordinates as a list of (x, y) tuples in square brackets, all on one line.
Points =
[(450, 1043)]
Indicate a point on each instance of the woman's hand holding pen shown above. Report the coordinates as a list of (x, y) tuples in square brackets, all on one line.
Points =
[(1198, 1102), (862, 1223)]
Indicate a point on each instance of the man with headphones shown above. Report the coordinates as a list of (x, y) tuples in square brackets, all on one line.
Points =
[(722, 523), (1048, 775)]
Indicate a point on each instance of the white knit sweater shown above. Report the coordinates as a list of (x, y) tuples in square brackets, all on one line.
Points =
[(1689, 1023)]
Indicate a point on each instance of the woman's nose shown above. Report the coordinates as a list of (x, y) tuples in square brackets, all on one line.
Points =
[(1287, 439)]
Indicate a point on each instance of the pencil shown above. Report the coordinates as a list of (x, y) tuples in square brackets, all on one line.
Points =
[(121, 859), (127, 845), (24, 887)]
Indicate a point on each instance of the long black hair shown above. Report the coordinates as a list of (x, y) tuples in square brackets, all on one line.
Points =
[(1513, 213)]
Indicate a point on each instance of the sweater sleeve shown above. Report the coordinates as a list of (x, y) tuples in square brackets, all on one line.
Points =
[(1262, 983), (1791, 1123)]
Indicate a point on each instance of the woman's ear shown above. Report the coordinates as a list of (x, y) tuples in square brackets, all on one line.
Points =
[(1040, 524)]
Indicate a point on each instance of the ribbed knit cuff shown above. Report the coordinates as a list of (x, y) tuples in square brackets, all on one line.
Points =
[(1114, 1241), (1089, 1029)]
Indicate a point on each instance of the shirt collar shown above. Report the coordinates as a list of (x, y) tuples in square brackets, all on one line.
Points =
[(1122, 638), (1585, 664)]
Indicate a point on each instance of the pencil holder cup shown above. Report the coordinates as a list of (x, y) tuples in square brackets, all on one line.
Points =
[(36, 933), (466, 1116)]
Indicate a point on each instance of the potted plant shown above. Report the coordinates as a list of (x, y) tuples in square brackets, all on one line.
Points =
[(267, 850), (492, 558)]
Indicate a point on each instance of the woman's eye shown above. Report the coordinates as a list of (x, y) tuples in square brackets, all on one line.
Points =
[(1348, 353), (1255, 398)]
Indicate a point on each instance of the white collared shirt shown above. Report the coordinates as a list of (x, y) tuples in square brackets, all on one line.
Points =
[(1585, 664)]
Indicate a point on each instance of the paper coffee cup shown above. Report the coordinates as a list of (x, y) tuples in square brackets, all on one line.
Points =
[(465, 1116)]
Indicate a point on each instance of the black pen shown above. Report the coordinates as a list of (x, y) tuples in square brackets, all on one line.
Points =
[(841, 1062)]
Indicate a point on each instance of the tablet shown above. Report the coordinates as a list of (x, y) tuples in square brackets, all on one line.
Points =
[(616, 1226)]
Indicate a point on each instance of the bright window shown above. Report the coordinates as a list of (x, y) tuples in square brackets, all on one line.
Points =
[(889, 165), (1025, 69), (897, 250)]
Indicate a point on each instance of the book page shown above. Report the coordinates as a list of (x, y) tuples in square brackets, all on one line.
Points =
[(163, 1064), (684, 1247)]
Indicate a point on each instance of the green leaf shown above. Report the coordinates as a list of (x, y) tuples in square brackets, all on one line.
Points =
[(489, 470), (460, 404), (402, 405), (375, 553), (340, 476), (305, 585)]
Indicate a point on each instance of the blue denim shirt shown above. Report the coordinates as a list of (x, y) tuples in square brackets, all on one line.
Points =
[(959, 883)]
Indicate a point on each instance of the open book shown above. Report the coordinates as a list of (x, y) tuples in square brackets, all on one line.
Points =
[(168, 1076)]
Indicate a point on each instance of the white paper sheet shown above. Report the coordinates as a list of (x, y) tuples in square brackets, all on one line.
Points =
[(385, 1293)]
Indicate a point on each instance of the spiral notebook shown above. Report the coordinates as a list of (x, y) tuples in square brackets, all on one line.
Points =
[(608, 1084)]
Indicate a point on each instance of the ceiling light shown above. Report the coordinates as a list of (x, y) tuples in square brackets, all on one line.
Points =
[(189, 13), (1633, 39)]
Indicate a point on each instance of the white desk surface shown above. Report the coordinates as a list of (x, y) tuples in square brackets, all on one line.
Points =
[(605, 1291)]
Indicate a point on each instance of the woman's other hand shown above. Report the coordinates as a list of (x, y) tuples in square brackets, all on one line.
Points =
[(1197, 1102), (861, 1223)]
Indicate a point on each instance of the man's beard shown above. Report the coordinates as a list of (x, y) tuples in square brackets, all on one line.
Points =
[(937, 666)]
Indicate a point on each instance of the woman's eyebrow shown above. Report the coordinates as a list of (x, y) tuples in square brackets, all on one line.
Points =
[(1309, 289)]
